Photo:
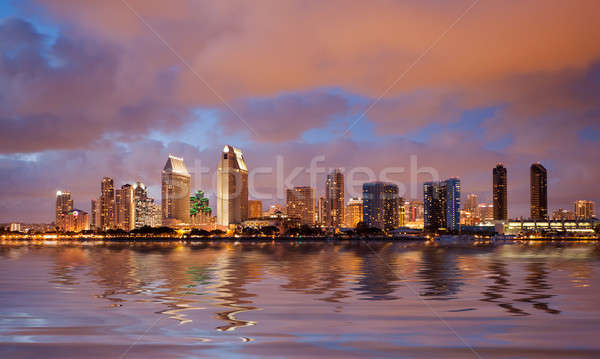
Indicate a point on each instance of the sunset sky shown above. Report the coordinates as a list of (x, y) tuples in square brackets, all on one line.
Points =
[(110, 87)]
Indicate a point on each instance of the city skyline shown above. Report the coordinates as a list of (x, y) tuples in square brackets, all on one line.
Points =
[(373, 100)]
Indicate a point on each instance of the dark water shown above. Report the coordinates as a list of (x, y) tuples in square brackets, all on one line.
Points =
[(300, 299)]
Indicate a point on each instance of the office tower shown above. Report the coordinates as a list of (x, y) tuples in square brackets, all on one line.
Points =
[(125, 208), (402, 211), (154, 218), (415, 211), (539, 192), (380, 205), (486, 212), (64, 204), (300, 204), (322, 211), (175, 192), (500, 193), (142, 204), (254, 209), (442, 205), (334, 195), (563, 215), (354, 212), (232, 187), (74, 220), (95, 212), (200, 211), (471, 202), (107, 204), (584, 210)]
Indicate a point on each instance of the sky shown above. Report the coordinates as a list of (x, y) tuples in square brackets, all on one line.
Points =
[(110, 88)]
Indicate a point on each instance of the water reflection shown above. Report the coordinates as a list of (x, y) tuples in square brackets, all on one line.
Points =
[(537, 288), (440, 274), (495, 293)]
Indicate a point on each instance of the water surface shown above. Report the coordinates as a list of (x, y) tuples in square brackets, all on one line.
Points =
[(300, 299)]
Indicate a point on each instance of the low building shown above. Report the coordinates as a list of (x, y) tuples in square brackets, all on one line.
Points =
[(549, 228), (73, 221)]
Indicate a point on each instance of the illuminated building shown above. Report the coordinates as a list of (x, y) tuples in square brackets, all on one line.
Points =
[(380, 205), (471, 202), (334, 195), (322, 211), (415, 212), (442, 205), (500, 195), (125, 208), (354, 212), (550, 228), (539, 192), (107, 204), (563, 215), (75, 220), (300, 203), (175, 192), (64, 203), (254, 209), (15, 227), (200, 212), (275, 209), (96, 209), (584, 209), (232, 187), (485, 212)]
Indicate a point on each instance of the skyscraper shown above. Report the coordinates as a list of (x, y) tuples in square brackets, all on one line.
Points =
[(232, 187), (125, 208), (500, 193), (322, 211), (64, 204), (539, 192), (584, 209), (354, 212), (107, 204), (300, 203), (471, 202), (254, 209), (95, 214), (380, 205), (175, 192), (442, 205), (334, 195)]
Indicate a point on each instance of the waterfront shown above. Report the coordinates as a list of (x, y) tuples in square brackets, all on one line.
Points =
[(299, 299)]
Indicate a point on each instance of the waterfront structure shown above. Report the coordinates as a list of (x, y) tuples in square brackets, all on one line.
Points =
[(75, 220), (15, 227), (538, 192), (334, 195), (300, 203), (353, 212), (64, 203), (550, 228), (584, 209), (471, 202), (380, 205), (200, 211), (175, 192), (563, 215), (275, 210), (254, 208), (442, 205), (232, 187), (500, 193), (125, 208), (107, 204)]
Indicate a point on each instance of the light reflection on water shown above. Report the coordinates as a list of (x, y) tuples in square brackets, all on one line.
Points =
[(300, 299)]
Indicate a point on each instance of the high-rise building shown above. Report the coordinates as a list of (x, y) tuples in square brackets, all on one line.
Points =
[(64, 204), (485, 212), (322, 211), (200, 211), (539, 192), (96, 210), (415, 212), (254, 208), (232, 187), (125, 208), (334, 195), (107, 204), (442, 205), (380, 205), (300, 203), (471, 202), (500, 193), (584, 209), (175, 192), (354, 212)]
